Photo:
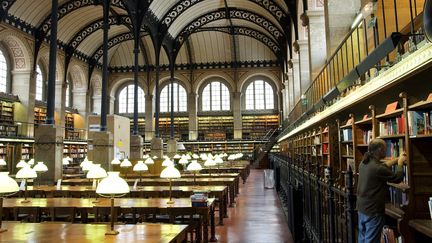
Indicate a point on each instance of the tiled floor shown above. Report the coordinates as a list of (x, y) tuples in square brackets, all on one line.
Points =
[(257, 216)]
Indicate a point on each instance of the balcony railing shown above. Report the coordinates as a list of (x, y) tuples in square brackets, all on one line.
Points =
[(382, 20)]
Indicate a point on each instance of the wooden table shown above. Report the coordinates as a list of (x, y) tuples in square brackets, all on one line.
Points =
[(182, 206), (423, 226), (49, 232), (232, 183), (220, 192)]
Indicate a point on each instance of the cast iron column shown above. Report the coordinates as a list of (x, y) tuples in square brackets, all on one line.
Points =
[(104, 105), (52, 64)]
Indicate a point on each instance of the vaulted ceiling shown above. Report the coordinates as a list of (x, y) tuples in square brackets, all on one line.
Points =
[(192, 31)]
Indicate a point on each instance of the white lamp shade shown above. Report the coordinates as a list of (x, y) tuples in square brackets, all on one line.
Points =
[(69, 158), (203, 156), (40, 167), (188, 157), (195, 156), (149, 161), (96, 172), (194, 166), (26, 173), (146, 156), (183, 161), (112, 185), (115, 161), (7, 184), (22, 164), (84, 163), (177, 156), (155, 157), (3, 162), (140, 166), (170, 172), (31, 162), (87, 165), (167, 162), (218, 160), (165, 157), (180, 146), (125, 163), (209, 162), (65, 161)]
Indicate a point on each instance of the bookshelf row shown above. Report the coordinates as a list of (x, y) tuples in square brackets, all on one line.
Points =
[(256, 127), (13, 152), (343, 143)]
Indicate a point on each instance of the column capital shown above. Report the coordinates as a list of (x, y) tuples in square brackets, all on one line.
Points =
[(148, 96)]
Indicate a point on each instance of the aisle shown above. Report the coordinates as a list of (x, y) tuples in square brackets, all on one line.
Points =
[(257, 216)]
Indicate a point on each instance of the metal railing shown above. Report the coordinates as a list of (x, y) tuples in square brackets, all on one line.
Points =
[(318, 210), (400, 16)]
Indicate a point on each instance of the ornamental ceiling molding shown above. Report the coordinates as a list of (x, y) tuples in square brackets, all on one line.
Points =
[(71, 6)]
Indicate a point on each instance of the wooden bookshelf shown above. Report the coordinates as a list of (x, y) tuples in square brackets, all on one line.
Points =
[(256, 127), (141, 126), (181, 128), (27, 151), (6, 112), (215, 128), (40, 115), (77, 152)]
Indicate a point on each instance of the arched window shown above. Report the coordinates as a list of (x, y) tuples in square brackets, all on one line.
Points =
[(180, 98), (215, 97), (259, 96), (39, 84), (68, 94), (126, 100), (3, 73)]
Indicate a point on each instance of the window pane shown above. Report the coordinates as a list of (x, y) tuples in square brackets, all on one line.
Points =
[(182, 99), (225, 98), (122, 101), (39, 83), (164, 99), (206, 98), (269, 96), (249, 98), (3, 72), (126, 100), (67, 94)]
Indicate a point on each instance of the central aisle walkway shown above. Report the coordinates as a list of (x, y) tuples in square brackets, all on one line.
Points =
[(257, 216)]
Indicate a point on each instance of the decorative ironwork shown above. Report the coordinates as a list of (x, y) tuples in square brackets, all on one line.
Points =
[(6, 4), (71, 6), (114, 41), (97, 25)]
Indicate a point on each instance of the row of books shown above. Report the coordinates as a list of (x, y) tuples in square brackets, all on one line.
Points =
[(419, 122), (347, 150), (405, 174), (346, 134), (398, 197), (366, 136), (392, 126), (394, 148)]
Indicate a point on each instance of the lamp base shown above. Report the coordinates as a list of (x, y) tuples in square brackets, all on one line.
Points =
[(25, 201), (170, 202), (112, 232), (3, 230)]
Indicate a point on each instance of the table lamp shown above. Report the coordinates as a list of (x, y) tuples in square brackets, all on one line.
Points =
[(96, 173), (30, 162), (188, 157), (26, 173), (22, 164), (194, 167), (8, 186), (140, 167), (167, 162), (209, 163), (195, 156), (177, 156), (2, 163), (87, 165), (184, 161), (112, 186), (146, 156), (125, 164), (65, 161), (218, 160), (170, 172), (40, 168), (149, 161)]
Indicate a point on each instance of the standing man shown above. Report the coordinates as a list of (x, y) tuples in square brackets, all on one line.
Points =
[(372, 189)]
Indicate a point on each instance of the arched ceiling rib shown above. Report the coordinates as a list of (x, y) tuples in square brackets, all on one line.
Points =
[(206, 7)]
